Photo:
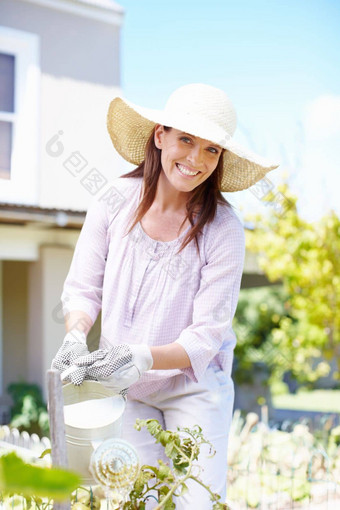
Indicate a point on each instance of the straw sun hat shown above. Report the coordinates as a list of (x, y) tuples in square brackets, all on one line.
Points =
[(197, 109)]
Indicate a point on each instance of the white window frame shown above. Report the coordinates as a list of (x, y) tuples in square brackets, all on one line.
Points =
[(23, 185)]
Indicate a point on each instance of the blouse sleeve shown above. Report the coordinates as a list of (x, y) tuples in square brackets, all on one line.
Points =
[(82, 288), (216, 299)]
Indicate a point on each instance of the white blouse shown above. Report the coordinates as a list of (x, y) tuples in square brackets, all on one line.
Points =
[(148, 293)]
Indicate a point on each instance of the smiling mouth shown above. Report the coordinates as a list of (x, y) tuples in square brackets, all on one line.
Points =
[(184, 170)]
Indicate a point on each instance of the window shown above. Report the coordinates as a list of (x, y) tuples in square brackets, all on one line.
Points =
[(19, 116), (6, 112)]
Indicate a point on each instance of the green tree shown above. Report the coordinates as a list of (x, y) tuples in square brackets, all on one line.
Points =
[(258, 313), (305, 258), (29, 411)]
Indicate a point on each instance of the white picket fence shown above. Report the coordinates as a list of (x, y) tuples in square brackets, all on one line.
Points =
[(28, 446)]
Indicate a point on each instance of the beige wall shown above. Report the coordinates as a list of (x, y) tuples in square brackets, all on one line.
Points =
[(14, 330), (33, 324), (46, 329)]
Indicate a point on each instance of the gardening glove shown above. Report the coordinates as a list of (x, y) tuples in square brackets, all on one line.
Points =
[(118, 367), (73, 346)]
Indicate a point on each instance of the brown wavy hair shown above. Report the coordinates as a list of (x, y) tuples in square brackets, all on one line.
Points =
[(208, 193)]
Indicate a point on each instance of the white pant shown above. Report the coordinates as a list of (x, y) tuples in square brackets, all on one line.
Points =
[(184, 403)]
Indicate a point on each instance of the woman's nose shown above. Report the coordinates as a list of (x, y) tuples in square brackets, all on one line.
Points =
[(195, 157)]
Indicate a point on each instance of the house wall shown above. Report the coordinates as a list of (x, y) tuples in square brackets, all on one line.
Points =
[(32, 320), (78, 70), (46, 325), (14, 322), (79, 76), (70, 44)]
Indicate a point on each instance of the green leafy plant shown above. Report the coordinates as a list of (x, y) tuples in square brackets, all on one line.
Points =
[(25, 485), (87, 497), (182, 448), (29, 411), (27, 480)]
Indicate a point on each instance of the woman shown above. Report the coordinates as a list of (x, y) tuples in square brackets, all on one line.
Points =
[(162, 255)]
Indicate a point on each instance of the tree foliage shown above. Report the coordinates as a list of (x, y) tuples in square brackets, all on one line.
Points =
[(28, 411), (305, 257), (258, 313)]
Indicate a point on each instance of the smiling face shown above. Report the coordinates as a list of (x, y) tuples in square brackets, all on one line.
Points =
[(187, 161)]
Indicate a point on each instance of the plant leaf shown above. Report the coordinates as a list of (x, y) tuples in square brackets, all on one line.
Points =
[(17, 476)]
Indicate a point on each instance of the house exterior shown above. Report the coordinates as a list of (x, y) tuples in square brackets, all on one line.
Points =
[(59, 69)]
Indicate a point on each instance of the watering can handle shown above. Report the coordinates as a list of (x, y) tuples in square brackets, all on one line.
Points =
[(73, 368), (68, 371)]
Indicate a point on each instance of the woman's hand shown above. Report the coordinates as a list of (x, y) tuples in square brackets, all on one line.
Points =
[(73, 346), (118, 367)]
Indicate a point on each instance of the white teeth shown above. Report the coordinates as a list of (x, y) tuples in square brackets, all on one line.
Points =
[(185, 171)]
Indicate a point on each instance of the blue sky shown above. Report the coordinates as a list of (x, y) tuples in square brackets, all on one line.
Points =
[(279, 62)]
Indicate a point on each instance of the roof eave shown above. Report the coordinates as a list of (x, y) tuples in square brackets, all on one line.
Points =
[(105, 11), (47, 218)]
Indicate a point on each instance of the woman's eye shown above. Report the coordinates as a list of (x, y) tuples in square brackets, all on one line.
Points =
[(185, 139), (213, 150)]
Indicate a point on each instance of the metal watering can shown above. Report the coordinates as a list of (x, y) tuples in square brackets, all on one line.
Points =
[(92, 415)]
